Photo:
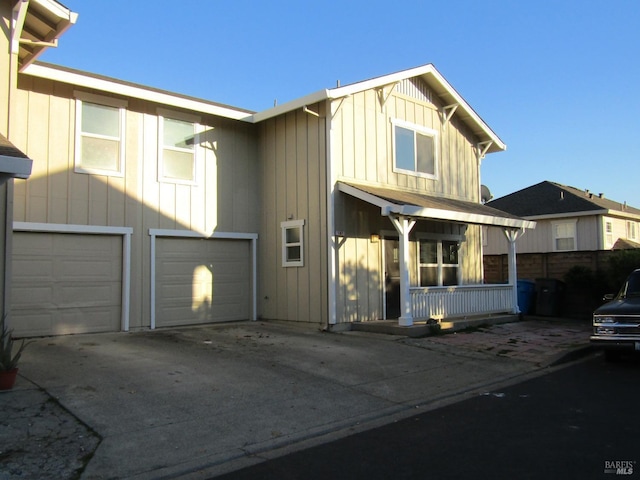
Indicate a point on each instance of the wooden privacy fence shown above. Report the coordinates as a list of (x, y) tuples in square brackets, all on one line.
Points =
[(544, 265)]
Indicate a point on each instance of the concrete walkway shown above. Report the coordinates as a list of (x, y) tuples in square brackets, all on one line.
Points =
[(196, 402)]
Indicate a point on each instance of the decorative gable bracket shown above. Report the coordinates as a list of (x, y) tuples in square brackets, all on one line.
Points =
[(384, 96), (482, 148), (447, 113)]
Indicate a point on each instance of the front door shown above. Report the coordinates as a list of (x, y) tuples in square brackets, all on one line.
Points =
[(392, 278)]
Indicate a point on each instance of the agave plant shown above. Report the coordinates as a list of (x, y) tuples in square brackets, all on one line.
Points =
[(8, 359)]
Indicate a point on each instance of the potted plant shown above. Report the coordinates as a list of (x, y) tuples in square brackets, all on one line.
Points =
[(8, 358)]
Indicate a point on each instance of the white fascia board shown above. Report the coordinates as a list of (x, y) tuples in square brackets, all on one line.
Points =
[(473, 218), (133, 91), (424, 70), (468, 110), (366, 197), (16, 167), (591, 213), (310, 99), (57, 9), (568, 215), (377, 82), (65, 19)]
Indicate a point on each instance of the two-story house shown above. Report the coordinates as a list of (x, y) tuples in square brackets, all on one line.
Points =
[(568, 219), (147, 208)]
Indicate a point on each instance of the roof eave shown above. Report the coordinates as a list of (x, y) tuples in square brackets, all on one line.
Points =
[(428, 72), (296, 104), (61, 16), (112, 86)]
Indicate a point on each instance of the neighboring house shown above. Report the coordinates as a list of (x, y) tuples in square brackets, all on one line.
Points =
[(148, 209), (567, 219)]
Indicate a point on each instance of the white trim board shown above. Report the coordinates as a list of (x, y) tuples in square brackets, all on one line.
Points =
[(126, 233), (252, 237)]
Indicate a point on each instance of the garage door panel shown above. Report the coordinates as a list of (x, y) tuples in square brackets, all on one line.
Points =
[(66, 283), (202, 281)]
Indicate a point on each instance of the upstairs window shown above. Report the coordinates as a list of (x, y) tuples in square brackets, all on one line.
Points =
[(564, 236), (99, 135), (177, 150), (631, 230), (415, 149), (292, 243)]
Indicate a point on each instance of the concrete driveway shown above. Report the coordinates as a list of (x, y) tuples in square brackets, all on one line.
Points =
[(197, 402)]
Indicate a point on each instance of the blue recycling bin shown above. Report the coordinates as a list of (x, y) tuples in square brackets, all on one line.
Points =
[(526, 293)]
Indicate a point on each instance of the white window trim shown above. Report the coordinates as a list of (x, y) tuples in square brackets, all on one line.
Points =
[(184, 117), (608, 233), (633, 234), (284, 227), (554, 238), (107, 102), (424, 131), (439, 238)]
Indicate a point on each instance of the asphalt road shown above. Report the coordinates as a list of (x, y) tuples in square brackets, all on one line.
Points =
[(574, 422)]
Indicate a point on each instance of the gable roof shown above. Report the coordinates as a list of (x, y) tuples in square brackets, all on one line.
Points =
[(553, 199), (428, 73)]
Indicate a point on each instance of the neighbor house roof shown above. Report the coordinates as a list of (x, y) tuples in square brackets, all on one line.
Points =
[(549, 199), (428, 73), (413, 204), (36, 26)]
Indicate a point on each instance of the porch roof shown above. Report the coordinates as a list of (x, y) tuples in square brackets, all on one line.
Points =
[(418, 205)]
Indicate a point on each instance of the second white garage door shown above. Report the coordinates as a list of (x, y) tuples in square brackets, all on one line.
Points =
[(202, 281)]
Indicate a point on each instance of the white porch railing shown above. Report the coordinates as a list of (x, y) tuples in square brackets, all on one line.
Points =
[(461, 300)]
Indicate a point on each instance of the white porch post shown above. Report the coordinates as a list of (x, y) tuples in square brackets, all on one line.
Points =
[(403, 226), (513, 235)]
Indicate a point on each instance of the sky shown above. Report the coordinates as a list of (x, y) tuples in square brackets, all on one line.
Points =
[(557, 80)]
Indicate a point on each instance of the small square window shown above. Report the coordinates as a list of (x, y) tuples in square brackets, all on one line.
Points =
[(414, 149), (99, 135), (177, 153), (292, 243)]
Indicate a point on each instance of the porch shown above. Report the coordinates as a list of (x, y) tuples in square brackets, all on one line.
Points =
[(419, 304), (453, 307)]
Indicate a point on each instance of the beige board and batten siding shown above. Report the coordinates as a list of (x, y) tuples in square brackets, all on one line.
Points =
[(363, 142), (225, 196), (362, 136), (294, 185)]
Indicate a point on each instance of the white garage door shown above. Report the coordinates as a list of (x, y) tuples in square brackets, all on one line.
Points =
[(66, 283), (202, 281)]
